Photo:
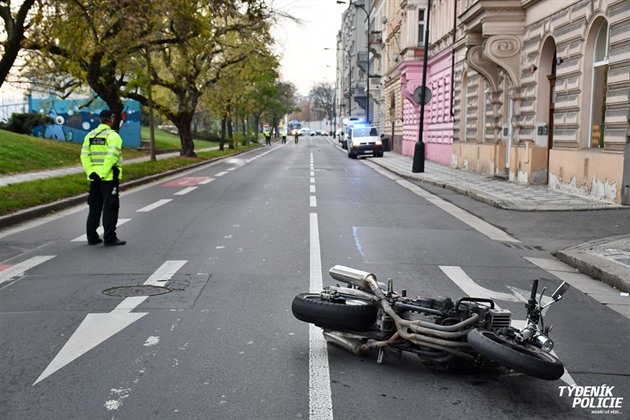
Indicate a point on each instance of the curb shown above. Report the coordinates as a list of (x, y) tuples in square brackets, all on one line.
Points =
[(597, 267), (588, 259), (45, 209)]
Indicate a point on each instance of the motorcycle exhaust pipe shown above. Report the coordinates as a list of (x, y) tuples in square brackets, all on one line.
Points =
[(353, 345)]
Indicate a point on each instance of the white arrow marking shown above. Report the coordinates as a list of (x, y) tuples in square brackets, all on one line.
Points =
[(96, 328), (459, 277), (18, 270), (164, 273)]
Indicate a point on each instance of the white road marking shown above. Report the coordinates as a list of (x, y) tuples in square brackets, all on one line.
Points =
[(185, 191), (165, 272), (96, 328), (100, 231), (470, 288), (320, 400), (474, 222), (19, 269), (313, 201), (312, 190), (154, 205), (221, 173)]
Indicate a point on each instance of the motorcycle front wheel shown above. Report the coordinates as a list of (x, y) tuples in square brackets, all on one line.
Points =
[(523, 358), (344, 314)]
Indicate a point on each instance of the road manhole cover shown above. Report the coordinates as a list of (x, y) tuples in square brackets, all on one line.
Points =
[(131, 291)]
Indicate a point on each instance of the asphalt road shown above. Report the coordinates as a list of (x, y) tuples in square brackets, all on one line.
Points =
[(84, 333)]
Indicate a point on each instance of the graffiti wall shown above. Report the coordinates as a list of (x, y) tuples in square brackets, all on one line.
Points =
[(74, 118)]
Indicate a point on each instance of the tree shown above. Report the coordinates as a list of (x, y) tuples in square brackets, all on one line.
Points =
[(227, 33), (86, 45), (323, 97), (15, 27)]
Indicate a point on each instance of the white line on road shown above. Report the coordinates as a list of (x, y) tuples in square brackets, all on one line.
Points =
[(100, 231), (18, 270), (474, 222), (185, 191), (320, 399), (313, 201), (154, 205)]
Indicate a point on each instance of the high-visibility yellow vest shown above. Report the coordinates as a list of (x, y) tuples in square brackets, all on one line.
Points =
[(101, 152)]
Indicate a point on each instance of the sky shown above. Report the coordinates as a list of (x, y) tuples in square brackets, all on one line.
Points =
[(305, 59)]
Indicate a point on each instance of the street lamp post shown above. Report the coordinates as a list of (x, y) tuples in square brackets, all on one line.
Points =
[(418, 154), (367, 67)]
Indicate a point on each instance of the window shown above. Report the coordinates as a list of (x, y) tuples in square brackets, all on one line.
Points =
[(600, 86), (421, 27)]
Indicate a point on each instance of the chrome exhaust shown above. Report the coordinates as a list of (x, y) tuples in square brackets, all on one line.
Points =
[(353, 345)]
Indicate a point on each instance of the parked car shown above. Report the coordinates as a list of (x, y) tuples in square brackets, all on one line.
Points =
[(364, 140), (304, 131)]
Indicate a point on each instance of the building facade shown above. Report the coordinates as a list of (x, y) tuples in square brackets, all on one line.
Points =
[(541, 93), (535, 91)]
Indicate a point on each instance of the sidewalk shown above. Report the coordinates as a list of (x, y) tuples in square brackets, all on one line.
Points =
[(606, 259), (52, 173)]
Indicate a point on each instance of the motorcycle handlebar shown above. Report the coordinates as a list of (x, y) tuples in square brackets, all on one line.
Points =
[(534, 290)]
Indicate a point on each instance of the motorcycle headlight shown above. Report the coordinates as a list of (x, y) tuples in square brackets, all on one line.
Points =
[(544, 343)]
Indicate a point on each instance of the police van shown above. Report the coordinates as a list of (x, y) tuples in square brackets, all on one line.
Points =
[(347, 124)]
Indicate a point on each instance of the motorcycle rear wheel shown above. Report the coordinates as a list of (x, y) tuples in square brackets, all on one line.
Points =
[(353, 315), (523, 358)]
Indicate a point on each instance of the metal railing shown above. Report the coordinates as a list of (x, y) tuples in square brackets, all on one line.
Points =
[(6, 110)]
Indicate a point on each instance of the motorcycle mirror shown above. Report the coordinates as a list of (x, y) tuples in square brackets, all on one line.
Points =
[(557, 295)]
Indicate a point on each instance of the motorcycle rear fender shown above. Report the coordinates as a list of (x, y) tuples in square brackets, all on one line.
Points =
[(351, 276)]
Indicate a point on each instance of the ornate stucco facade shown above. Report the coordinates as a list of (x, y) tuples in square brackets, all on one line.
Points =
[(542, 91), (535, 91)]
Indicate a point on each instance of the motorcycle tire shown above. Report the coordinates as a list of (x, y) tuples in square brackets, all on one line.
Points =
[(352, 315), (523, 358)]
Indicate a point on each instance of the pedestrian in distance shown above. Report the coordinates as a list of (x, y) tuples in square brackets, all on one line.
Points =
[(267, 134), (101, 157), (283, 134)]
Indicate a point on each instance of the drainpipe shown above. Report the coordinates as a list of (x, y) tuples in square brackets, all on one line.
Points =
[(453, 60)]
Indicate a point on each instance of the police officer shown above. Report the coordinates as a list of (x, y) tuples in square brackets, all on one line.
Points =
[(101, 157), (283, 134), (267, 134)]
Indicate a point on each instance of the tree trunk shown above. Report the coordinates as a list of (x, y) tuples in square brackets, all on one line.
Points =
[(222, 142), (230, 133), (184, 125)]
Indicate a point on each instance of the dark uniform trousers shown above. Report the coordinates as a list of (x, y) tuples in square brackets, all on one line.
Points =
[(103, 196)]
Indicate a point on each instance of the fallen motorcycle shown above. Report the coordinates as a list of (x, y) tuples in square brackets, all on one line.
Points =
[(369, 315)]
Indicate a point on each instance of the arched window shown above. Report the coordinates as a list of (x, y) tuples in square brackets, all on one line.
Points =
[(599, 84)]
